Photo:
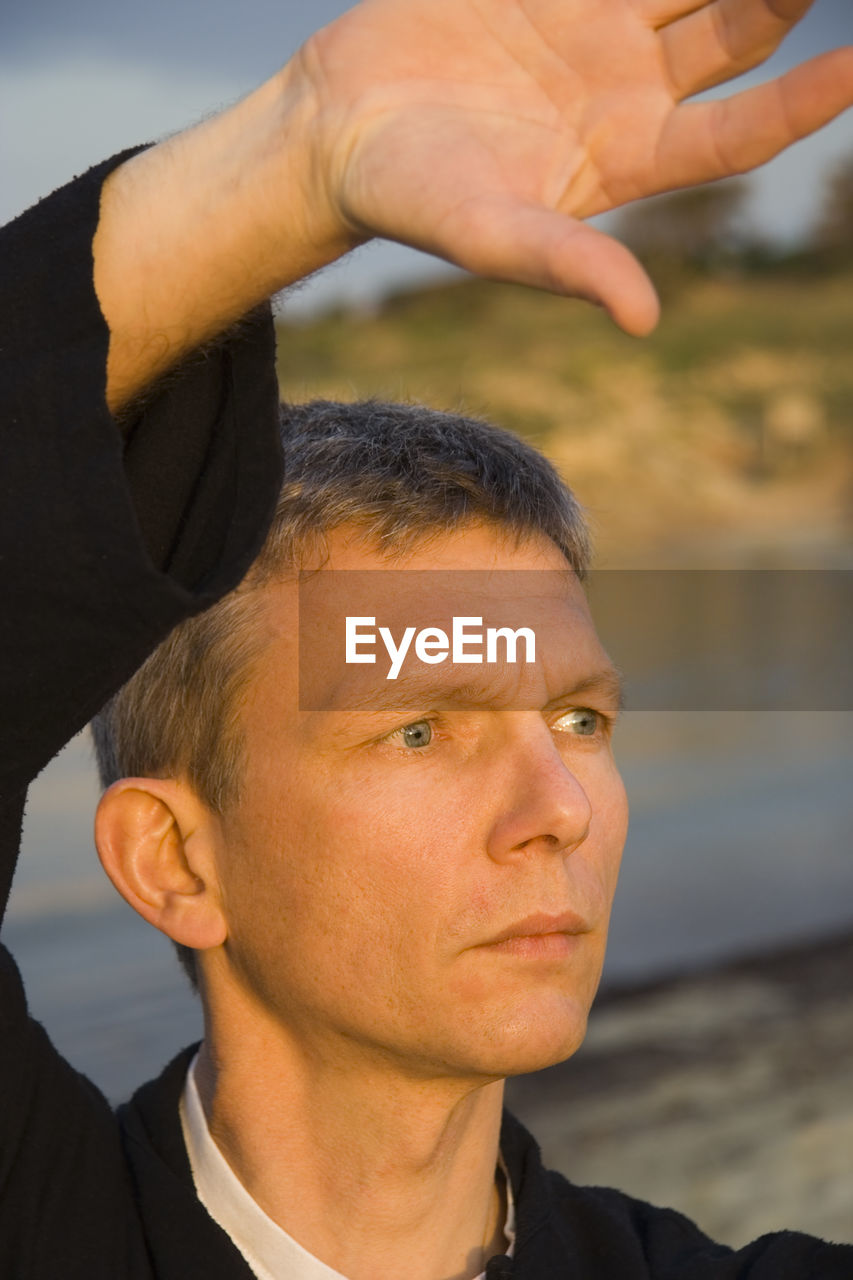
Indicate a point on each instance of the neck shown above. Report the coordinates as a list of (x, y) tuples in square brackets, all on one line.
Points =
[(368, 1168)]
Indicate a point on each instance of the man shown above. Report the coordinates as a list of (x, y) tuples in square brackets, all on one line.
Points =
[(422, 931), (367, 980)]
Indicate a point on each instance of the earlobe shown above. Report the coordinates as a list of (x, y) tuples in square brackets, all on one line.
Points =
[(156, 841)]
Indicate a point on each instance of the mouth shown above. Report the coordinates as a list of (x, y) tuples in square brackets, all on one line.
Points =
[(541, 935)]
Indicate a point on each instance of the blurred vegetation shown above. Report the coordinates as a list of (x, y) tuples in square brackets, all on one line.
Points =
[(700, 230), (832, 236), (725, 437)]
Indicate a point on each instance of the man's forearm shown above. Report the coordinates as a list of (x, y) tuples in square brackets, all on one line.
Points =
[(196, 231)]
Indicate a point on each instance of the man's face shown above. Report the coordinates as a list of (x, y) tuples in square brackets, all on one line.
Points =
[(426, 872)]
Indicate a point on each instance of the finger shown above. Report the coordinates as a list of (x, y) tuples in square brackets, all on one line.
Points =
[(660, 12), (657, 13), (725, 39), (708, 140), (531, 245)]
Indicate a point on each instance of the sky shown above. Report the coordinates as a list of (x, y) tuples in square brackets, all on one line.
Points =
[(78, 82)]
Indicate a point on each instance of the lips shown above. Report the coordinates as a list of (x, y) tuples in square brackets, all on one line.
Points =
[(540, 925)]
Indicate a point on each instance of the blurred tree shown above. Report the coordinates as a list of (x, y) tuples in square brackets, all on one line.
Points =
[(833, 230), (700, 227)]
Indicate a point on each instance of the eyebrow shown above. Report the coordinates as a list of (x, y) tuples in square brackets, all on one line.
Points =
[(414, 694), (608, 682)]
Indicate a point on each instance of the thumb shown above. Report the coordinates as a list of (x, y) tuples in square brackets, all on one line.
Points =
[(528, 244)]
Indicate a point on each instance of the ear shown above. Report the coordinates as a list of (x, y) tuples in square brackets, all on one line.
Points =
[(157, 843)]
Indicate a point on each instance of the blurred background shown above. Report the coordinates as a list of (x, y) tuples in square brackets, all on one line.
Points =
[(715, 1074)]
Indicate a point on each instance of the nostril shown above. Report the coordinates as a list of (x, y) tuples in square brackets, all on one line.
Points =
[(553, 842)]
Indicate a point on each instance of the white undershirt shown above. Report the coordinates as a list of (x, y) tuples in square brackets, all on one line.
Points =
[(270, 1252)]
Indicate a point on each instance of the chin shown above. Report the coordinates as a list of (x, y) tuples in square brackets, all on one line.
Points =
[(532, 1041), (528, 1059)]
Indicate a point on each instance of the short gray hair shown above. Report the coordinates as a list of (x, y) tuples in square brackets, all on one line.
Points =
[(402, 472)]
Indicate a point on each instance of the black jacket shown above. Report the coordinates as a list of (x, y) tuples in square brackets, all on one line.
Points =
[(104, 547)]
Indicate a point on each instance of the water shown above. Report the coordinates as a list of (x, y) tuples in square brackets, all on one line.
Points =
[(740, 840)]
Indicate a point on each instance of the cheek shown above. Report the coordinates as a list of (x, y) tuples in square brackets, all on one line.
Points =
[(615, 822), (347, 858), (602, 851), (611, 801)]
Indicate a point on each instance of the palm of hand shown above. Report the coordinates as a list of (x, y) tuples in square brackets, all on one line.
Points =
[(491, 120)]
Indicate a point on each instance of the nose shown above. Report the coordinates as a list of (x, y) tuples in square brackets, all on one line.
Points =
[(544, 808)]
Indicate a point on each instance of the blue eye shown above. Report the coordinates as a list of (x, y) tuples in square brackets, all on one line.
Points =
[(582, 721), (418, 734)]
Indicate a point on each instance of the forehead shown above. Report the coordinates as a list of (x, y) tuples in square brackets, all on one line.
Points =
[(479, 578)]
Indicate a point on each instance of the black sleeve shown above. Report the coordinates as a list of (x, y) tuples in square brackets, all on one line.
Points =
[(107, 543)]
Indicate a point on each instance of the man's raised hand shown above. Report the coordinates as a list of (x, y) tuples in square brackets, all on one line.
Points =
[(484, 130)]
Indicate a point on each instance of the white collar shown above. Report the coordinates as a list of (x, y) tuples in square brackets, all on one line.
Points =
[(270, 1252)]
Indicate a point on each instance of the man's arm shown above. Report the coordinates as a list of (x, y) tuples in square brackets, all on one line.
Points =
[(481, 131)]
